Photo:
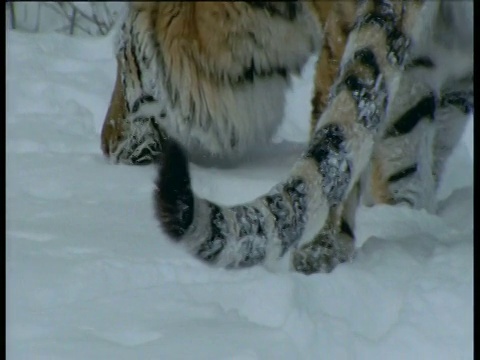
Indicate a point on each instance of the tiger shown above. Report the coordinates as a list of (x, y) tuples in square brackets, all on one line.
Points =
[(393, 90)]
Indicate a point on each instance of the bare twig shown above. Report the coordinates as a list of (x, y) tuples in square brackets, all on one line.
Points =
[(100, 24), (72, 21), (92, 18)]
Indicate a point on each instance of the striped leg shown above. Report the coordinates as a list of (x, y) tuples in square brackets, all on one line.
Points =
[(408, 162), (142, 136), (401, 169), (406, 167), (375, 110)]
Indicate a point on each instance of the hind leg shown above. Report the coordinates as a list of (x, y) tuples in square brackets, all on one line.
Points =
[(400, 171), (406, 168)]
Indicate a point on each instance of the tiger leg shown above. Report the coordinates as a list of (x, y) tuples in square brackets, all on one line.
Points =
[(141, 137), (406, 142), (408, 162), (409, 175), (127, 136), (382, 183), (335, 242)]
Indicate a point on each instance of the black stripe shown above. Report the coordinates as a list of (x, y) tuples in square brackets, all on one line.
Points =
[(172, 93), (251, 235), (367, 58), (172, 17), (463, 100), (288, 11), (422, 61), (161, 136), (174, 197), (369, 105), (329, 139), (250, 221), (397, 45), (331, 157), (345, 228), (406, 123), (248, 74), (384, 16), (289, 213), (144, 98), (403, 173), (272, 202), (124, 79), (135, 60), (251, 73), (211, 248), (277, 207), (353, 83), (296, 191)]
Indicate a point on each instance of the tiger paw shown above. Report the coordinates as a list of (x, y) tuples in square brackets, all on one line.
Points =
[(323, 254), (141, 144)]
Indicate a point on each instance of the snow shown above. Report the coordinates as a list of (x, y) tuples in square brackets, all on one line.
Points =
[(89, 274)]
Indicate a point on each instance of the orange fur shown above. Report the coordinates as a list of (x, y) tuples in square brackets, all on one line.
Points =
[(338, 17), (112, 125)]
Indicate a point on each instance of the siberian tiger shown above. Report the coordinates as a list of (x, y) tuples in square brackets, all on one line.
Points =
[(393, 90)]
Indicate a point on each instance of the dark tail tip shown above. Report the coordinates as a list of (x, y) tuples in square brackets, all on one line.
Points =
[(173, 194)]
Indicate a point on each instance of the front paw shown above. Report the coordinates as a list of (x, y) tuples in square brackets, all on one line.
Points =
[(323, 254), (142, 143)]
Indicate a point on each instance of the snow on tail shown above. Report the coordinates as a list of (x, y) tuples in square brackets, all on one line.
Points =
[(242, 235)]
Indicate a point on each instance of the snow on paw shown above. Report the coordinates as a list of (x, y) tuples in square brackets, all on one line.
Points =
[(323, 254), (141, 144)]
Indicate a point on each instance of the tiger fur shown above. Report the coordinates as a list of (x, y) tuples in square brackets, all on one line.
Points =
[(393, 90), (208, 74)]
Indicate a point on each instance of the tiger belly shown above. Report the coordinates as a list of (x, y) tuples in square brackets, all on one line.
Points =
[(233, 122)]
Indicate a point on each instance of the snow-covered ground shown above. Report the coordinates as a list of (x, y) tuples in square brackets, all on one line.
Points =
[(90, 276)]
